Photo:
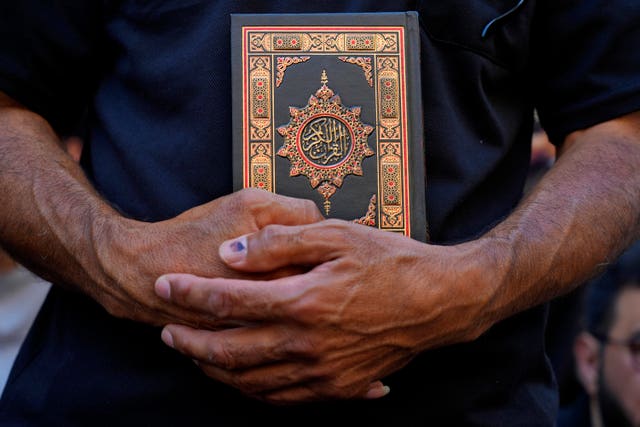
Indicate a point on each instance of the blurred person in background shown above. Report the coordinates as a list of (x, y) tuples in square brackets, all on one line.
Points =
[(543, 155), (607, 349), (22, 292), (21, 295)]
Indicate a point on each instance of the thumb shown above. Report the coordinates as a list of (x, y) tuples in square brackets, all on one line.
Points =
[(271, 208), (277, 246)]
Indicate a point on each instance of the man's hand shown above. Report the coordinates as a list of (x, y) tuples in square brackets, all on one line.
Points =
[(54, 222), (372, 302), (133, 254), (373, 299)]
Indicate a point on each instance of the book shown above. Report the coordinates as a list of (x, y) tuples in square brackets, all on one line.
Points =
[(328, 107)]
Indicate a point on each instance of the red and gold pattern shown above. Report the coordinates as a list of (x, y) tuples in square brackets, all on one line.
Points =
[(325, 141), (331, 41), (261, 168), (391, 183), (361, 42), (286, 41), (284, 62), (388, 98), (363, 62), (370, 217), (268, 53), (260, 98)]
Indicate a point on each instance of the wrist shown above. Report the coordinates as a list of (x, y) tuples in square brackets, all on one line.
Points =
[(478, 270), (493, 261), (116, 245)]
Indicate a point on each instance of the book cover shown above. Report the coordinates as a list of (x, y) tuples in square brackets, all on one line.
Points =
[(328, 107)]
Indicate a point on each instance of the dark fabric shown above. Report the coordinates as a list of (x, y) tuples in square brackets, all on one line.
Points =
[(563, 325), (154, 77), (576, 413)]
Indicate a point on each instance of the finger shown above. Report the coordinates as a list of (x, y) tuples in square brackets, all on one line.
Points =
[(310, 392), (260, 380), (269, 208), (232, 299), (377, 390), (292, 382), (238, 348), (278, 246)]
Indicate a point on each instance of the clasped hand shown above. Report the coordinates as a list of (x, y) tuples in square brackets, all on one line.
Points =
[(132, 254), (367, 303)]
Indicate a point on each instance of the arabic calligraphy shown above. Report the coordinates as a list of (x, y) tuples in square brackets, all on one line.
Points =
[(326, 141)]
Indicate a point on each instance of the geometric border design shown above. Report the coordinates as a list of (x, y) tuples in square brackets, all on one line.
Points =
[(263, 47)]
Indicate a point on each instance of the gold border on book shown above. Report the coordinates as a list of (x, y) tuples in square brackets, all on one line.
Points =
[(265, 46)]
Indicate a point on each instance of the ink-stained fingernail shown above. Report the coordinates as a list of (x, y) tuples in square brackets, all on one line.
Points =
[(167, 338), (233, 251), (163, 288)]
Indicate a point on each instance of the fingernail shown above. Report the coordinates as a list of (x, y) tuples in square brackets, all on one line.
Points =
[(167, 338), (233, 251), (163, 288), (378, 392)]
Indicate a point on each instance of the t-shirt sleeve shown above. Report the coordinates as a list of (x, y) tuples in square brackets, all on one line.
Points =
[(49, 56), (587, 63)]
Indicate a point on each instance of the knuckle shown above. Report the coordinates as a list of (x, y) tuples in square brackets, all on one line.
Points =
[(342, 382), (302, 347), (313, 311), (275, 237), (180, 289), (321, 373), (248, 197), (339, 387), (249, 193), (280, 234), (277, 399), (241, 383), (337, 230), (337, 224), (271, 232), (310, 210), (301, 311), (328, 390), (218, 354), (220, 304)]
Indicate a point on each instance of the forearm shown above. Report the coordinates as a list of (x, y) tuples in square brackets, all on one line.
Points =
[(581, 215), (374, 300), (50, 216), (55, 223)]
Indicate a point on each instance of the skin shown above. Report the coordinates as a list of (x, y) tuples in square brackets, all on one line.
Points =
[(53, 222), (620, 373), (373, 300), (313, 335), (6, 263), (73, 146)]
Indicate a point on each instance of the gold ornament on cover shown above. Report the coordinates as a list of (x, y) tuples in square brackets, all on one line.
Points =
[(325, 141)]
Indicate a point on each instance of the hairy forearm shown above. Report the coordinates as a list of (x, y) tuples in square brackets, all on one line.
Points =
[(55, 223), (578, 219), (50, 216)]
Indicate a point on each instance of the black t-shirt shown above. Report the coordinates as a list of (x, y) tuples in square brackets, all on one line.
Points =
[(154, 78)]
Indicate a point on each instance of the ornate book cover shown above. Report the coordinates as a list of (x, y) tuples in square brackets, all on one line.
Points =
[(328, 107)]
